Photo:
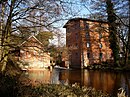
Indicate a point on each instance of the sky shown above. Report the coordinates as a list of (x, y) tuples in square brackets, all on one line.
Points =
[(77, 10), (80, 11)]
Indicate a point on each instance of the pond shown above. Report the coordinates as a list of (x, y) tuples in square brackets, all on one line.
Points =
[(107, 81)]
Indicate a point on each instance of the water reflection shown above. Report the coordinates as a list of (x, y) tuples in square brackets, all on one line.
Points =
[(108, 82), (36, 77)]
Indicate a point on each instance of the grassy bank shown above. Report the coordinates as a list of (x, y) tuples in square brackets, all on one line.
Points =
[(53, 90)]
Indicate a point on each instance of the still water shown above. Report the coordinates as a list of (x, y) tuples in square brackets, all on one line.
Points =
[(108, 82)]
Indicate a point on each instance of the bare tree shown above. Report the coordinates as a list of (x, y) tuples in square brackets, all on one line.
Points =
[(34, 15)]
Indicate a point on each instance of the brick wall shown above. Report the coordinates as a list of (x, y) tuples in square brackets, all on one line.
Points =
[(87, 42), (31, 52)]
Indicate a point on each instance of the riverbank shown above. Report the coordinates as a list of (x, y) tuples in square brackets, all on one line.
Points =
[(108, 67), (54, 90), (12, 87)]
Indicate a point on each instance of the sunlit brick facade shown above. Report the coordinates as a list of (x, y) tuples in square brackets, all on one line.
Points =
[(87, 42), (32, 53)]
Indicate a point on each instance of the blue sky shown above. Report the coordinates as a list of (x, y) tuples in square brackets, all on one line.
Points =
[(79, 10)]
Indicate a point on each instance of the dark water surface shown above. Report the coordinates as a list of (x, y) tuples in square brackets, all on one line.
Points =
[(107, 81)]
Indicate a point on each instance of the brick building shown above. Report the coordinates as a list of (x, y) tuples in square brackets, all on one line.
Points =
[(32, 52), (87, 42)]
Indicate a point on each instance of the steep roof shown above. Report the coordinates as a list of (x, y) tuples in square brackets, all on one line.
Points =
[(31, 37), (84, 19)]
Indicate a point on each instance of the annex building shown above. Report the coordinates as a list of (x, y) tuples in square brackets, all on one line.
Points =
[(32, 53)]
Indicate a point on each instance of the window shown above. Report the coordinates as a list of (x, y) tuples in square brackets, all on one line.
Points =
[(87, 26), (21, 51), (76, 54), (87, 34), (76, 36), (35, 52), (100, 36), (29, 55), (100, 55), (88, 55), (88, 44), (76, 45), (100, 45)]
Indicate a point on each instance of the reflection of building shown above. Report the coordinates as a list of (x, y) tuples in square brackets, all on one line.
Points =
[(31, 52), (99, 80), (36, 77), (64, 77), (87, 41)]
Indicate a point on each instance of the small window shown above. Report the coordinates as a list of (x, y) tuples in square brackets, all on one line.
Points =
[(35, 52), (87, 34), (76, 45), (100, 45), (88, 55), (100, 36), (21, 51), (76, 36), (76, 54), (88, 44), (29, 55), (100, 55), (87, 26)]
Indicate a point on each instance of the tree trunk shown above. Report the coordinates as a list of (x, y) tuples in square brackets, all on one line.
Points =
[(127, 53), (5, 39), (5, 45)]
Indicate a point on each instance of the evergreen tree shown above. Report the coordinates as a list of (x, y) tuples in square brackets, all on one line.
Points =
[(116, 12), (113, 31)]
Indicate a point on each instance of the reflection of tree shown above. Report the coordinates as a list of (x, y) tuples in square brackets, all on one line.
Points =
[(55, 77), (75, 77), (126, 77), (62, 77), (117, 83)]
